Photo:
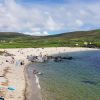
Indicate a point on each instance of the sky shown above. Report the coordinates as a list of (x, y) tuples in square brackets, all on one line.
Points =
[(48, 17)]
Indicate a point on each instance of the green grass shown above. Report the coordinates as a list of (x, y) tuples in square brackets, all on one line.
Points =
[(16, 40)]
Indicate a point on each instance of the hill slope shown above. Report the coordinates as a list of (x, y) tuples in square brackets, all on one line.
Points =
[(19, 40), (10, 34)]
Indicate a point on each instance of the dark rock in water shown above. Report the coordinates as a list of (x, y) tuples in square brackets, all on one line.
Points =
[(68, 58), (90, 82), (64, 57), (58, 59), (46, 58), (49, 57)]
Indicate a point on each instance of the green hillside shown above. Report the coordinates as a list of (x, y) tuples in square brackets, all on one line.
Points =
[(72, 39)]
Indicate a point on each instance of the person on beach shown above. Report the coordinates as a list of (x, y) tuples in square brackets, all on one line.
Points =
[(22, 63)]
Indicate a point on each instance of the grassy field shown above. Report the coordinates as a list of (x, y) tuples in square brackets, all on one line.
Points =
[(72, 39)]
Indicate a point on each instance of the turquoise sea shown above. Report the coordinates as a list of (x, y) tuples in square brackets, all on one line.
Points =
[(77, 79)]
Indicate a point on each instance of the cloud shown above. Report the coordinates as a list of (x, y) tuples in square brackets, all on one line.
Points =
[(79, 22), (39, 19), (45, 33)]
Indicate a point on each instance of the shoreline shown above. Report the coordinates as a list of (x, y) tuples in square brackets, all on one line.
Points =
[(32, 87), (16, 74), (25, 75)]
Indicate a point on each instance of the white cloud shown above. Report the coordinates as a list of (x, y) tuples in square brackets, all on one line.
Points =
[(79, 22), (51, 24), (44, 33), (40, 19)]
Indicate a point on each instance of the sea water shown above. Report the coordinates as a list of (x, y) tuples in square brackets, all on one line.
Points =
[(76, 79)]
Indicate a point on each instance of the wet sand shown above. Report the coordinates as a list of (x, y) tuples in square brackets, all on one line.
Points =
[(32, 91)]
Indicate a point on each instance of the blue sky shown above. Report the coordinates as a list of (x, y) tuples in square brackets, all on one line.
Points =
[(43, 1), (56, 1), (44, 17)]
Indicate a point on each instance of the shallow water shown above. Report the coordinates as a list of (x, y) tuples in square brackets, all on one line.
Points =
[(77, 79)]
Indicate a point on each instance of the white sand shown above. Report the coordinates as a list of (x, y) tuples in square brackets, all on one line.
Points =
[(14, 74)]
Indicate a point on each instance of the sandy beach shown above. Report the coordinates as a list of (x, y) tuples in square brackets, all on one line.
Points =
[(13, 75)]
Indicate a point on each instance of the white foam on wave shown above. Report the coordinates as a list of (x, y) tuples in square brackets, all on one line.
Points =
[(37, 81)]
